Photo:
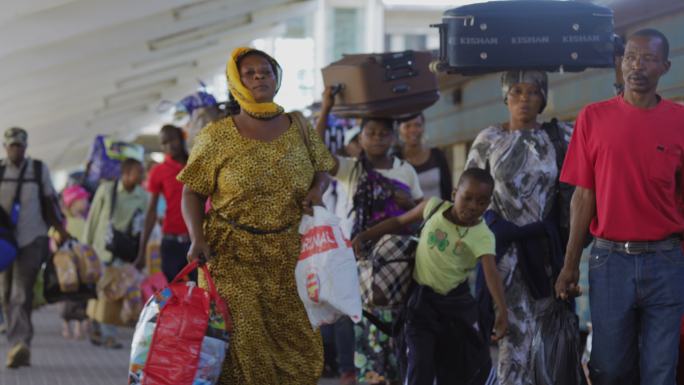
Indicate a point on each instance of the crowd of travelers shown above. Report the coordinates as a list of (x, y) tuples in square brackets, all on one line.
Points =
[(496, 246)]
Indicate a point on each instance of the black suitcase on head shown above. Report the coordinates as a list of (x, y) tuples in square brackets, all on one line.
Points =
[(526, 34)]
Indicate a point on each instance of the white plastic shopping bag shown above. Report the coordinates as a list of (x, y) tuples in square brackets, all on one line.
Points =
[(327, 277)]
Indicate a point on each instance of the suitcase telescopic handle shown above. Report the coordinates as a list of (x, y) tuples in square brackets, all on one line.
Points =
[(467, 19), (443, 29), (618, 45)]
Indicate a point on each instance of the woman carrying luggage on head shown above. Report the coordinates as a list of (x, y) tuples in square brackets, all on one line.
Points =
[(261, 174), (379, 186), (521, 156)]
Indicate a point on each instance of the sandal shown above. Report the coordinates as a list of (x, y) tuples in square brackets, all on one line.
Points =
[(111, 343)]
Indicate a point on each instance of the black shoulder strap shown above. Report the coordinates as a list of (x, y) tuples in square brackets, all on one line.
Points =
[(113, 204), (383, 326), (38, 176), (20, 183), (2, 171), (420, 228), (553, 130)]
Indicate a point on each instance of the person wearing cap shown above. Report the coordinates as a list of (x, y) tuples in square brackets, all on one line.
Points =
[(522, 158), (36, 214), (626, 159)]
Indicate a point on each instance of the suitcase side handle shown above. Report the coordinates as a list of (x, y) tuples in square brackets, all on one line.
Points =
[(467, 19), (400, 73), (401, 88)]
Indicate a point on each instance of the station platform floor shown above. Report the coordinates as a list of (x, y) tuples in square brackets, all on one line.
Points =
[(56, 361)]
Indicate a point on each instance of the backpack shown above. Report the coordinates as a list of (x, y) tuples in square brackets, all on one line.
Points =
[(8, 221), (51, 203)]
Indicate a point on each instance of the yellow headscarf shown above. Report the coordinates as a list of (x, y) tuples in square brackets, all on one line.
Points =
[(243, 95)]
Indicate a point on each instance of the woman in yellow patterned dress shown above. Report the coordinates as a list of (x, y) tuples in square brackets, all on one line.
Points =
[(261, 174)]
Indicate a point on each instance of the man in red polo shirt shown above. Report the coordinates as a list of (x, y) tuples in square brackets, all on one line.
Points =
[(162, 180), (626, 159)]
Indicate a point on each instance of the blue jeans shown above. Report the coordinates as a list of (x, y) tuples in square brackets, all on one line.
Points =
[(636, 304), (341, 335)]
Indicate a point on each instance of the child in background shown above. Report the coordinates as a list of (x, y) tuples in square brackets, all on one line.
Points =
[(75, 201), (444, 341), (131, 201)]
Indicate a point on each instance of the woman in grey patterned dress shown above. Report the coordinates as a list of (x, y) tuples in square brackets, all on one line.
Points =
[(522, 159)]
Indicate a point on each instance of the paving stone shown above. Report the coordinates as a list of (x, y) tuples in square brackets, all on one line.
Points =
[(56, 361)]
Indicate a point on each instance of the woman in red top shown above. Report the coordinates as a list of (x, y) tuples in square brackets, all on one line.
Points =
[(162, 181)]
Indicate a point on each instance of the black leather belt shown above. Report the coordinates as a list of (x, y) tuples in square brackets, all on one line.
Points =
[(640, 247), (254, 230), (184, 238)]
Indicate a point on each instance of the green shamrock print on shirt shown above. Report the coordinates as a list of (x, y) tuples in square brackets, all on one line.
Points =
[(438, 238)]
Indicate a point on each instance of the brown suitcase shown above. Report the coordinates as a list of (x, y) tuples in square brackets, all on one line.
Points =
[(394, 84)]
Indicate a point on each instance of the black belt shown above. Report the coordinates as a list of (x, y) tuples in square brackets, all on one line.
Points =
[(638, 247), (254, 230), (183, 238)]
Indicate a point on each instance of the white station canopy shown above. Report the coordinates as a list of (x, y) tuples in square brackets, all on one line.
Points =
[(72, 69)]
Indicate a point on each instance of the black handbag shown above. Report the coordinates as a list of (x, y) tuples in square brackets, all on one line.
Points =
[(123, 245)]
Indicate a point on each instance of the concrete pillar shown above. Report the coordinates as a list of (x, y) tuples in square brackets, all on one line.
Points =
[(375, 26), (320, 35), (459, 156)]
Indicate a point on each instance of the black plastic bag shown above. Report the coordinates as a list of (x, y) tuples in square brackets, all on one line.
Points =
[(52, 291), (556, 346)]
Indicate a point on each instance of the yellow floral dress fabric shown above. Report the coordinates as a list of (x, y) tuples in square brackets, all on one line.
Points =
[(261, 185)]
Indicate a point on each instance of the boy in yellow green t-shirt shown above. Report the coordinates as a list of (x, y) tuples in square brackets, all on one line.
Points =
[(442, 316)]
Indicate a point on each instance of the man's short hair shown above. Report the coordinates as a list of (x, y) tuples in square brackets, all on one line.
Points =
[(477, 175), (128, 164), (654, 33), (170, 128)]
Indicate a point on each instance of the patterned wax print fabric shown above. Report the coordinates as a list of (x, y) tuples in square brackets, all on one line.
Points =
[(375, 356), (260, 185), (523, 165)]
